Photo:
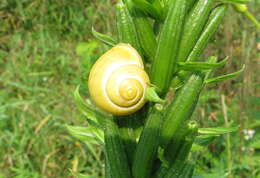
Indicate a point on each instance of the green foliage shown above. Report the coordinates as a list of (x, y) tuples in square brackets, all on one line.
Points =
[(104, 38), (194, 23), (125, 27), (225, 77), (115, 152), (87, 134), (145, 33), (148, 144), (165, 60), (199, 66), (214, 20), (39, 69), (153, 9), (94, 116), (217, 130)]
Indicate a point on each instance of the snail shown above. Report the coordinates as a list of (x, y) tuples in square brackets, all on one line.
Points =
[(117, 81)]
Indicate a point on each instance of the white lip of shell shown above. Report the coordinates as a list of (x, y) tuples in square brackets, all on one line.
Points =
[(107, 74)]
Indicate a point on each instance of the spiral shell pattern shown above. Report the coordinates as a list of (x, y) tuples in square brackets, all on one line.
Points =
[(117, 81)]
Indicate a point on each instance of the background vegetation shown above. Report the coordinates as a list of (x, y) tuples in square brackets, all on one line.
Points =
[(39, 70)]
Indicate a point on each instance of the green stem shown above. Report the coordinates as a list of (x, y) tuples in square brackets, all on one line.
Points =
[(229, 154), (127, 126), (190, 129), (146, 149), (115, 152), (252, 18), (165, 61), (182, 107), (107, 168), (177, 166)]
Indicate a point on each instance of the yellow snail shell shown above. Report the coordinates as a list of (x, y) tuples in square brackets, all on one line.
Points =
[(117, 81)]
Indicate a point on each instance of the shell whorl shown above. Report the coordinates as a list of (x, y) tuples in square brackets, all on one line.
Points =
[(117, 81)]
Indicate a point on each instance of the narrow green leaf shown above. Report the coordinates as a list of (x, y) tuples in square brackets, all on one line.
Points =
[(242, 8), (235, 1), (216, 16), (185, 134), (89, 111), (149, 9), (144, 30), (187, 171), (87, 134), (212, 59), (158, 5), (125, 26), (104, 38), (182, 75), (165, 61), (146, 150), (198, 66), (194, 24), (182, 107), (204, 140), (115, 151), (217, 130), (177, 166), (151, 95), (225, 77)]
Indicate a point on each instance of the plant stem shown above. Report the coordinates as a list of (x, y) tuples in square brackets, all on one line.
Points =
[(229, 156), (252, 18)]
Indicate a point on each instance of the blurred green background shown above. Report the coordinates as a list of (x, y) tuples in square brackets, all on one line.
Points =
[(40, 68)]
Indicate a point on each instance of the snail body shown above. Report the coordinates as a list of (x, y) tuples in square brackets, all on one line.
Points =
[(117, 81)]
